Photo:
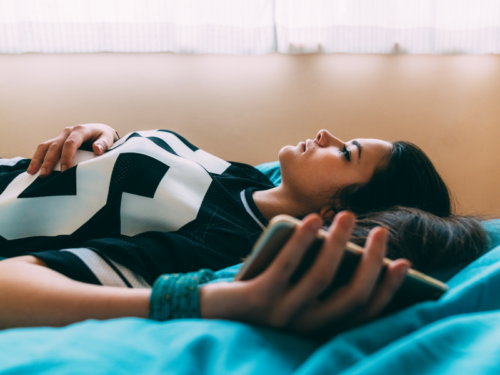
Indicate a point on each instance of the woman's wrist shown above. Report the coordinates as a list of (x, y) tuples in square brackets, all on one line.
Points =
[(176, 296), (209, 301), (226, 300)]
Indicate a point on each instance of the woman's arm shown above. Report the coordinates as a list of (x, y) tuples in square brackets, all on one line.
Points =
[(64, 146), (34, 295)]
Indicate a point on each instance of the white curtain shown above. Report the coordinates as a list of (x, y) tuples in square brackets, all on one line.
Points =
[(388, 26), (185, 26), (251, 27)]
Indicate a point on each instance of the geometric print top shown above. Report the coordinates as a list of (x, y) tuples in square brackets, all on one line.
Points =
[(151, 204)]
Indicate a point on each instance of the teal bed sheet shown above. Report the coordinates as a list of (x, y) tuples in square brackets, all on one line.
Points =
[(456, 335)]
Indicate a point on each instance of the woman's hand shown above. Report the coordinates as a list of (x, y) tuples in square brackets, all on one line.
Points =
[(65, 145), (270, 299)]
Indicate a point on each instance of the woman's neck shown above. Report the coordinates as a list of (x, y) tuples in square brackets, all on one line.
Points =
[(277, 201)]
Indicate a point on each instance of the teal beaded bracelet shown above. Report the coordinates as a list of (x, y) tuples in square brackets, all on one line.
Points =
[(175, 296)]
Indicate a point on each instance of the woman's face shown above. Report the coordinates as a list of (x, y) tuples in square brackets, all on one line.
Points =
[(317, 168)]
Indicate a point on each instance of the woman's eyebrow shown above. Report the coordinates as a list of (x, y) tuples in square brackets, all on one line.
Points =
[(356, 143)]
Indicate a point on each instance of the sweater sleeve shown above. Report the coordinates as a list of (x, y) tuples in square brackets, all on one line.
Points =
[(140, 260)]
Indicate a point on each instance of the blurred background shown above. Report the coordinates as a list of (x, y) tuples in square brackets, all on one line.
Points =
[(241, 79)]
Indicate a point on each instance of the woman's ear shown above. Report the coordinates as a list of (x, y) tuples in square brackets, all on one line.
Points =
[(327, 213)]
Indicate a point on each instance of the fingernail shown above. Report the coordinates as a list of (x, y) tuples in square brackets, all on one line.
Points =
[(99, 147), (315, 226), (348, 222), (63, 168), (43, 172), (29, 169)]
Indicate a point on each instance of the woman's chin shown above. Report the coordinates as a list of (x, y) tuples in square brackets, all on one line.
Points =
[(283, 152), (291, 150), (288, 155)]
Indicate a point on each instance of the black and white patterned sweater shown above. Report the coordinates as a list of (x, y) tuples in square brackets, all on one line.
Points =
[(152, 204)]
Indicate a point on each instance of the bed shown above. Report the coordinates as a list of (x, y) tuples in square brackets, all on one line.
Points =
[(456, 335)]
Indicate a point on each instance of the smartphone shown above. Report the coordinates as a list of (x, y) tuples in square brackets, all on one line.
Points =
[(416, 287)]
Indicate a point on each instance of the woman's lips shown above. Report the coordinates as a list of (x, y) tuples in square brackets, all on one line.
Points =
[(303, 145)]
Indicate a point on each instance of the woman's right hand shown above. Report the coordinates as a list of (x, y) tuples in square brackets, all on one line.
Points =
[(270, 299), (64, 147)]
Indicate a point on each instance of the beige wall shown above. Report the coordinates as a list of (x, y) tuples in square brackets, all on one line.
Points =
[(247, 108)]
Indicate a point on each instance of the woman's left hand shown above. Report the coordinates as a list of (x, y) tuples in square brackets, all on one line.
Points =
[(63, 148), (270, 299)]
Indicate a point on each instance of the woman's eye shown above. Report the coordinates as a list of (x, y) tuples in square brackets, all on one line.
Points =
[(346, 153)]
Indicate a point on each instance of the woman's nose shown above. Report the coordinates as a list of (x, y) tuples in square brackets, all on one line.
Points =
[(325, 138)]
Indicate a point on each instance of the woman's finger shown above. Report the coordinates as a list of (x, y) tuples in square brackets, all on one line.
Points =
[(367, 273), (79, 135), (288, 259), (393, 278), (51, 158), (321, 274), (53, 153), (37, 159), (353, 297)]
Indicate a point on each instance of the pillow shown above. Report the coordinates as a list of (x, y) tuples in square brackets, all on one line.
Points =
[(272, 171)]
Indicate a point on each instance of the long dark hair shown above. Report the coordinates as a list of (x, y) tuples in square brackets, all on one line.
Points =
[(405, 178), (428, 241)]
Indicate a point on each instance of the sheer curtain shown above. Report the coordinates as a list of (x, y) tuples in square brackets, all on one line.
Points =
[(251, 27), (184, 26), (388, 26)]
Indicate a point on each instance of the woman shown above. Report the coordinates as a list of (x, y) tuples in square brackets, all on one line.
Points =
[(232, 203)]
